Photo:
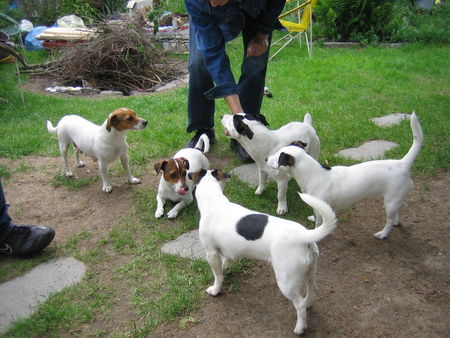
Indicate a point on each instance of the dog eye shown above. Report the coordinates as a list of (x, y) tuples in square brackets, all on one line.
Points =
[(174, 175), (130, 118)]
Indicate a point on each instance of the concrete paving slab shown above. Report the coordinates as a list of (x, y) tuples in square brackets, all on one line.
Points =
[(21, 296), (187, 245), (389, 120), (371, 150), (247, 173)]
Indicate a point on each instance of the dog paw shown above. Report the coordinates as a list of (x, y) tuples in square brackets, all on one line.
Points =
[(311, 218), (282, 210), (159, 213), (172, 214), (134, 180), (259, 191), (81, 164), (380, 235), (212, 291), (299, 332), (107, 188), (69, 174)]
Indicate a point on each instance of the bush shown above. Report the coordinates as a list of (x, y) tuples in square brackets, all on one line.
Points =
[(381, 21)]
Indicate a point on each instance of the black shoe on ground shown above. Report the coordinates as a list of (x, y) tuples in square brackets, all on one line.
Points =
[(209, 132), (241, 153), (25, 240)]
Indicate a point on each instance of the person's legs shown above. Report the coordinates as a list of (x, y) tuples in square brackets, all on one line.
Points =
[(21, 240), (253, 73), (200, 109), (5, 220), (251, 82)]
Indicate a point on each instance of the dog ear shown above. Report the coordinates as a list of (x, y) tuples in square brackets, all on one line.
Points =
[(286, 160), (241, 127), (185, 163), (299, 144), (197, 175), (219, 175), (257, 117), (112, 121), (160, 165)]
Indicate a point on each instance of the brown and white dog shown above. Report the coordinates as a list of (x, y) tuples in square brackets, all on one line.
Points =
[(175, 185), (104, 143), (229, 231), (251, 131)]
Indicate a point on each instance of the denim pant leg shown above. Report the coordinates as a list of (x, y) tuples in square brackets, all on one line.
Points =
[(253, 75), (200, 109), (5, 220)]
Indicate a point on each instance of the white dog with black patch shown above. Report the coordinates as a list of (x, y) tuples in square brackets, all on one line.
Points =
[(251, 131), (342, 186), (229, 231)]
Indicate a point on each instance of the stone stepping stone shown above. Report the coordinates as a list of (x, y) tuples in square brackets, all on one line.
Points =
[(247, 173), (187, 245), (21, 296), (371, 150), (389, 120)]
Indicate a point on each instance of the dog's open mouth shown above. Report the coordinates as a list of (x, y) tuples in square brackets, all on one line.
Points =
[(182, 191)]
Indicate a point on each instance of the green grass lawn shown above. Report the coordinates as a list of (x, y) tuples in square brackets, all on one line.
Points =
[(341, 88)]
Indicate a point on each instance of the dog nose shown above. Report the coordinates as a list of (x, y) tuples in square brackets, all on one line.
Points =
[(221, 116), (145, 122), (265, 159)]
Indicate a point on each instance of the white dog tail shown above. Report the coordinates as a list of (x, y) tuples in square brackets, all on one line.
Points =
[(307, 119), (417, 141), (51, 129), (327, 214), (203, 143)]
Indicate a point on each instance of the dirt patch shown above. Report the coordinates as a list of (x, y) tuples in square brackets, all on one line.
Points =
[(367, 287)]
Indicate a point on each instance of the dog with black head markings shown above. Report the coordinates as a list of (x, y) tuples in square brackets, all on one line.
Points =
[(228, 231), (104, 143), (175, 185), (342, 186), (251, 131)]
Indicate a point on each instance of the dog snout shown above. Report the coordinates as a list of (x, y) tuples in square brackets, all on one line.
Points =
[(145, 122), (266, 159)]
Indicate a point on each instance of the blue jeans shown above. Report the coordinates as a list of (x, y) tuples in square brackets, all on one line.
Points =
[(5, 220), (202, 92)]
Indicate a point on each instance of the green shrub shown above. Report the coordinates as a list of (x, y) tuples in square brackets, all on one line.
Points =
[(381, 21)]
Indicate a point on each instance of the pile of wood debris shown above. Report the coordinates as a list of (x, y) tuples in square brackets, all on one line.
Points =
[(120, 57)]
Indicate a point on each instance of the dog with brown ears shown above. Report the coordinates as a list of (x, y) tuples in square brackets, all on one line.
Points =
[(175, 185), (104, 143)]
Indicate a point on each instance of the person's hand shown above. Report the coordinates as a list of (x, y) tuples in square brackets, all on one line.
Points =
[(258, 45), (217, 3)]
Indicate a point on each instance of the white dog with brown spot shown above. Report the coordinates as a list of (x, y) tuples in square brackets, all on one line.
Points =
[(175, 185), (104, 143)]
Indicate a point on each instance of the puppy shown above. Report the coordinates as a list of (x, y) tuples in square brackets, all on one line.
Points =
[(341, 186), (174, 184), (260, 142), (229, 231), (104, 143)]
